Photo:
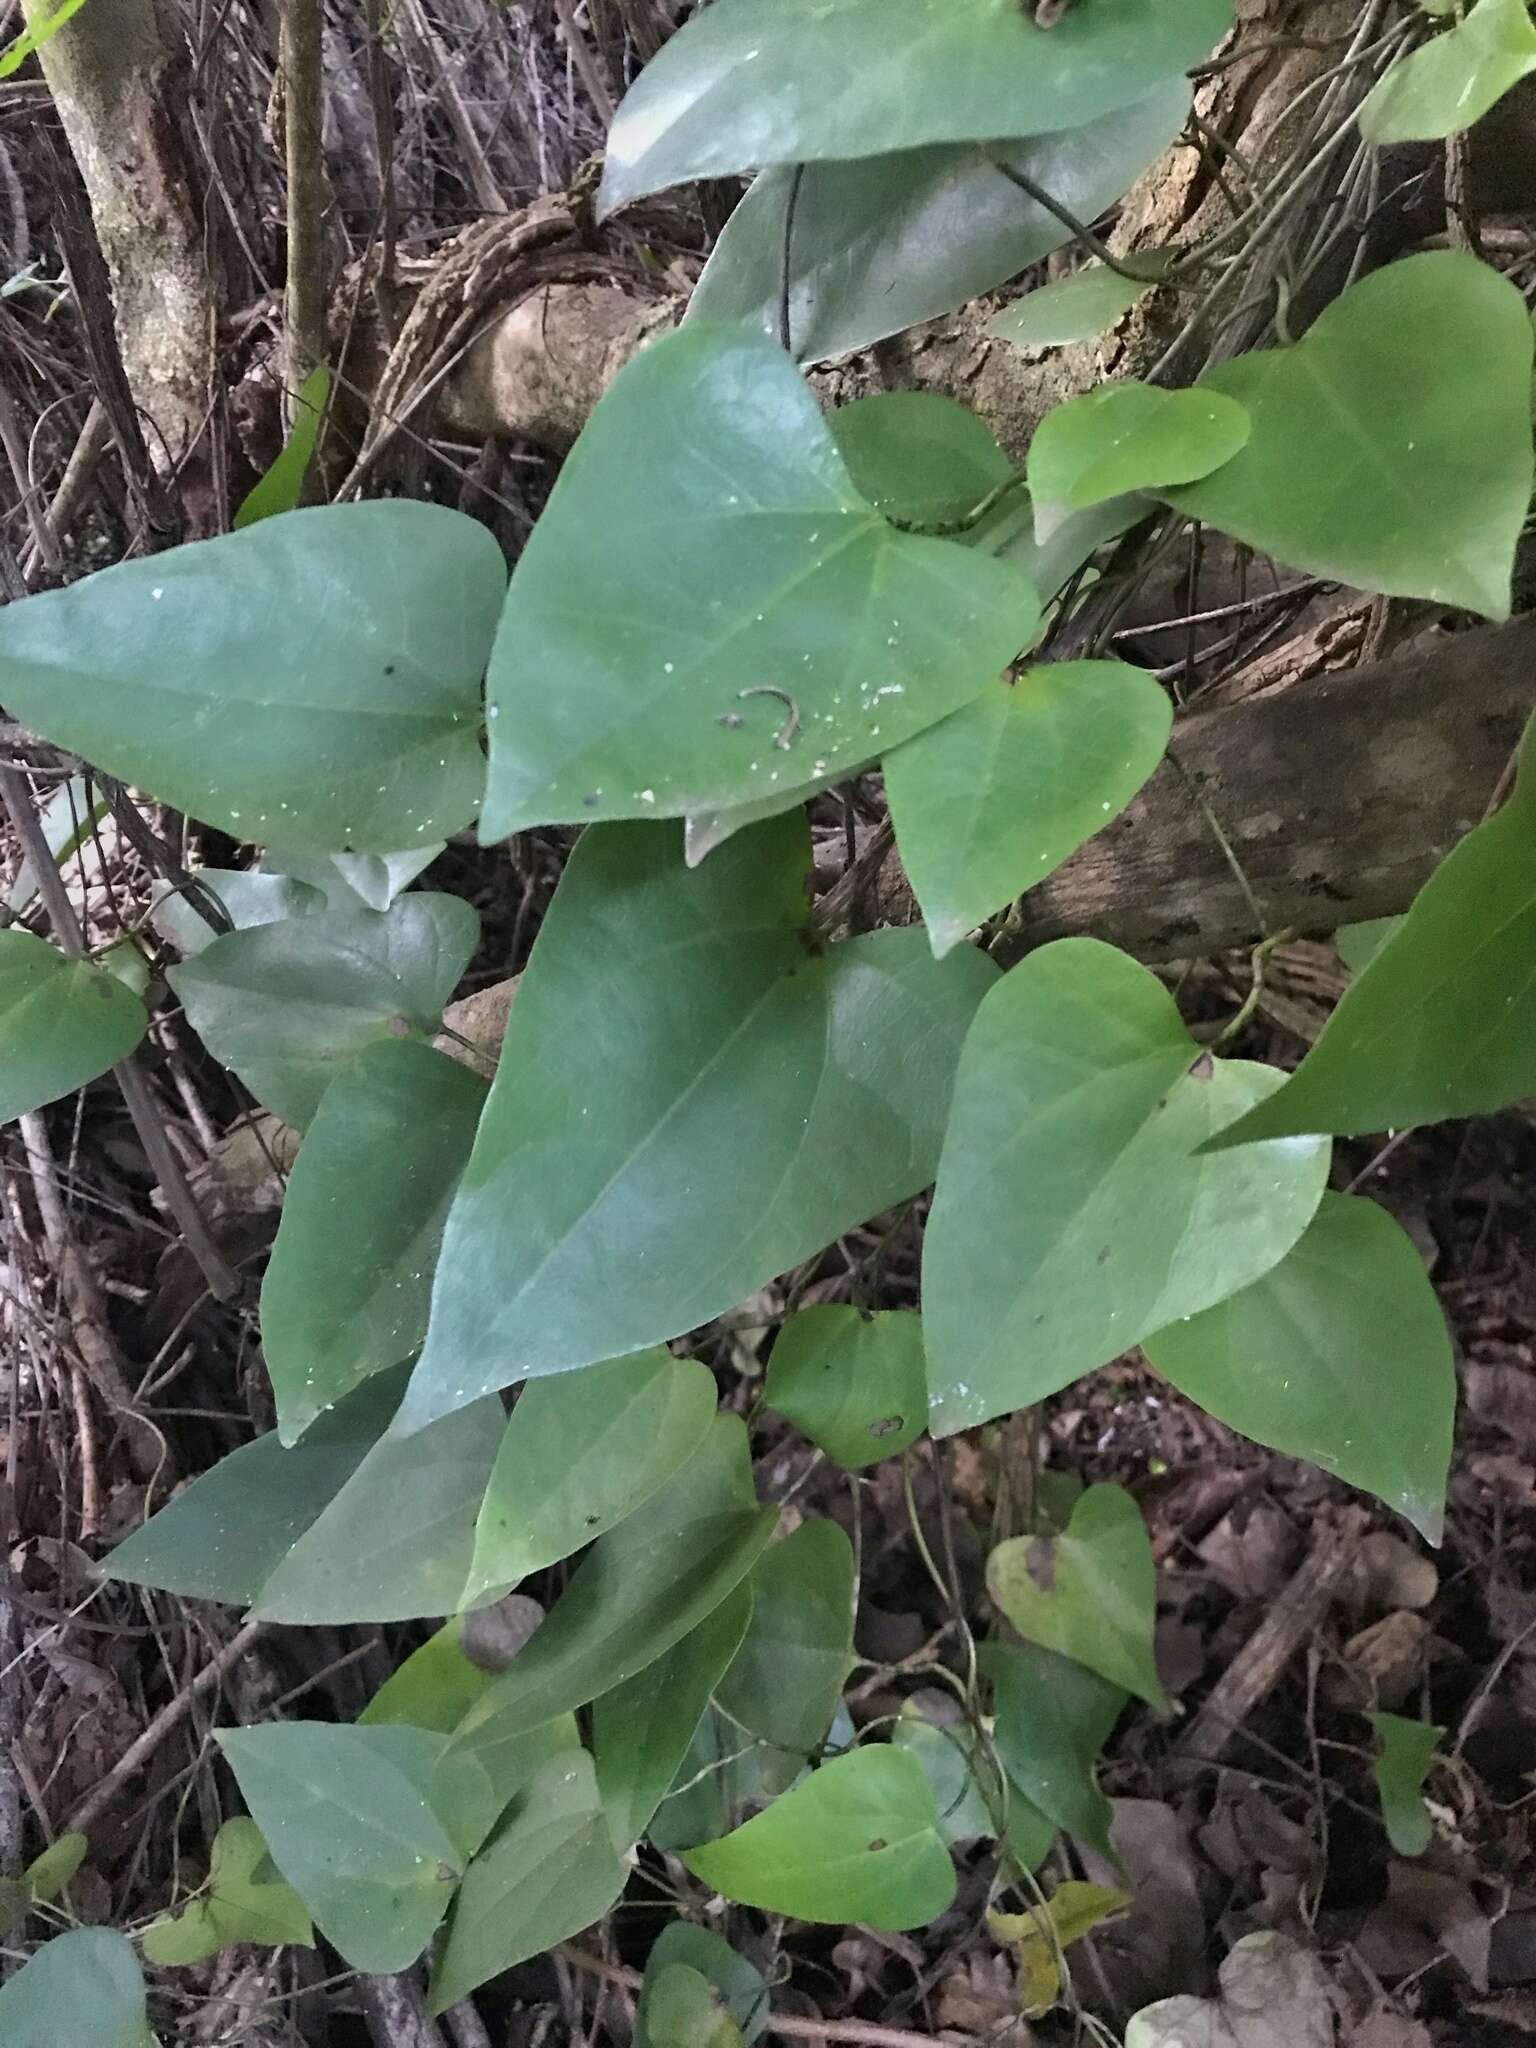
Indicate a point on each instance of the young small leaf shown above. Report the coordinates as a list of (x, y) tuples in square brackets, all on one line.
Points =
[(347, 1814), (1039, 1936), (1367, 463), (223, 1536), (1090, 1593), (549, 1871), (83, 1989), (1074, 1213), (610, 1143), (642, 1729), (993, 799), (582, 1451), (639, 1590), (1446, 85), (738, 1984), (744, 85), (1442, 1021), (349, 1282), (679, 2006), (316, 677), (286, 1006), (1074, 308), (1338, 1354), (1407, 1751), (855, 1383), (282, 486), (856, 1840), (62, 1022), (237, 1905), (825, 634), (883, 242), (396, 1542), (48, 1874), (788, 1676), (1127, 437), (1053, 1717), (917, 455)]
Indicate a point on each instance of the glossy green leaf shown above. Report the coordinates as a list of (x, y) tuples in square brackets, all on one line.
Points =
[(43, 27), (434, 1688), (947, 1753), (1073, 308), (48, 1874), (1446, 85), (1358, 944), (83, 1989), (285, 1006), (854, 1382), (995, 798), (347, 879), (747, 83), (549, 1871), (1127, 437), (348, 1816), (1367, 463), (316, 677), (581, 1452), (223, 1536), (350, 1278), (917, 455), (62, 1022), (1338, 1354), (613, 1140), (882, 242), (856, 1840), (730, 619), (1407, 1751), (282, 486), (396, 1541), (788, 1677), (238, 1904), (642, 1729), (1089, 1593), (738, 1983), (248, 897), (1053, 1717), (1442, 1022), (1074, 1213), (639, 1590), (681, 2007)]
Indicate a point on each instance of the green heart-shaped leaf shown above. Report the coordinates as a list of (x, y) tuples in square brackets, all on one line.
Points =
[(1054, 1715), (1441, 1021), (62, 1022), (1450, 83), (1338, 1354), (882, 242), (854, 1382), (1074, 1212), (1369, 463), (612, 1139), (1127, 437), (1407, 1751), (730, 621), (918, 456), (1089, 1593), (679, 2006), (788, 1676), (285, 1006), (856, 1840), (738, 1983), (752, 82), (315, 678), (995, 798), (238, 1905), (350, 1278), (84, 1987)]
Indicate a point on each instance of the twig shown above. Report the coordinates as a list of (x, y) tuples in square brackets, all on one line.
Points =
[(586, 64), (865, 2032), (1256, 1668), (303, 111), (223, 1282), (396, 2014), (138, 1753), (95, 439)]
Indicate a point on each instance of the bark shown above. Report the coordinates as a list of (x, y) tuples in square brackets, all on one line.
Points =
[(118, 72)]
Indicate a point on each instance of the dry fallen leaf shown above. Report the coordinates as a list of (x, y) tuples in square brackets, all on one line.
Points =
[(1273, 1995)]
